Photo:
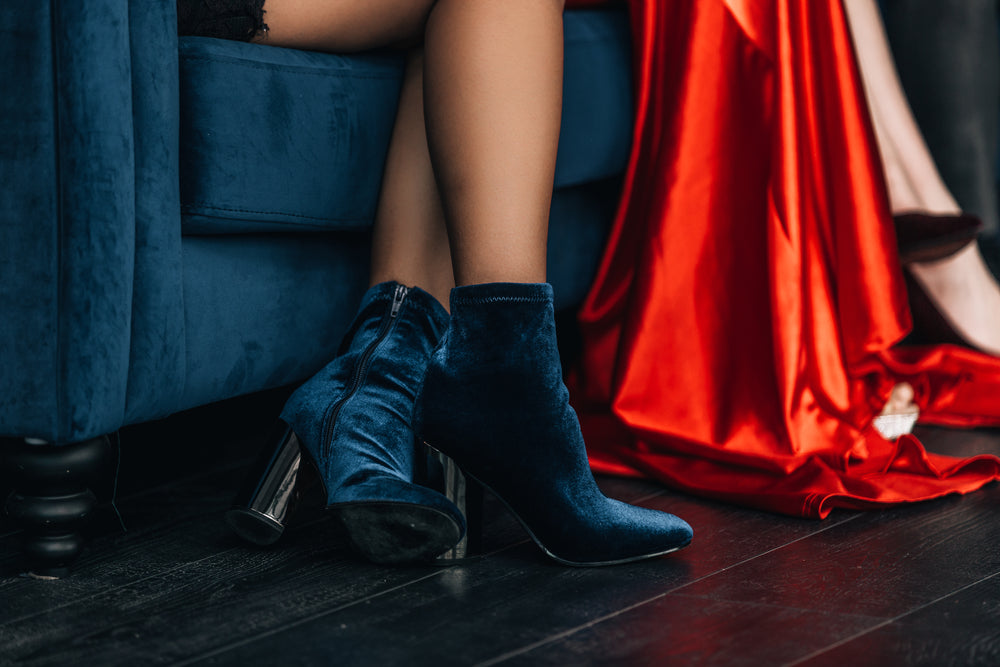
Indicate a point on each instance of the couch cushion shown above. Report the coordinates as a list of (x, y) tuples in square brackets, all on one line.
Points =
[(277, 333), (279, 140)]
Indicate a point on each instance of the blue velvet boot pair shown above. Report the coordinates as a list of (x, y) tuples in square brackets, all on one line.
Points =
[(493, 400), (352, 422)]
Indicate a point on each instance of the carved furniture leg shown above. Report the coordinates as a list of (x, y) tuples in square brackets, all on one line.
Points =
[(51, 499)]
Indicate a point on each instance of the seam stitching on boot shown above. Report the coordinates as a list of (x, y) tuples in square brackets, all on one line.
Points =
[(502, 299)]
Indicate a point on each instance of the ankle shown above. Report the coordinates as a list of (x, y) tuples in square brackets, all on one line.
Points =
[(507, 272)]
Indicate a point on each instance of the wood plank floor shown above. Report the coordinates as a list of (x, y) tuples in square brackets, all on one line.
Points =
[(914, 585)]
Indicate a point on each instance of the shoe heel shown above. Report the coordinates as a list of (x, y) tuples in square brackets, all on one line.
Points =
[(467, 495), (270, 493)]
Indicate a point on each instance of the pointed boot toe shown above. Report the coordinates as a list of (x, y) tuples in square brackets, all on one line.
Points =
[(493, 400)]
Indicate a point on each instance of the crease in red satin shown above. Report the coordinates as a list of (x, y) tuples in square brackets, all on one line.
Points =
[(739, 334)]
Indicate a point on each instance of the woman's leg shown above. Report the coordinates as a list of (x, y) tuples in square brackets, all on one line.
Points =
[(913, 179), (493, 85), (493, 98), (493, 397), (353, 417), (492, 74), (410, 243), (947, 53), (961, 286)]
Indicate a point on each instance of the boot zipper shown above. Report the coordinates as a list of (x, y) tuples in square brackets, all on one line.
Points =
[(361, 367)]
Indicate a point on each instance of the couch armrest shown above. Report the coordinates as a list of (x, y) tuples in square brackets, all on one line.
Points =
[(81, 77)]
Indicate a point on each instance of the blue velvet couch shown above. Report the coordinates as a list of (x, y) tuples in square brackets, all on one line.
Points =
[(187, 220)]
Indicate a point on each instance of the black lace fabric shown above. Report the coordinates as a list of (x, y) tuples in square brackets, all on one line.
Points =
[(239, 20)]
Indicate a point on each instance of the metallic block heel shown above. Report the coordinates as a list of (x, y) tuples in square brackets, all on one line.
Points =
[(272, 491), (467, 494)]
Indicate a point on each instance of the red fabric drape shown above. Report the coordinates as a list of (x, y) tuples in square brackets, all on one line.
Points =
[(738, 339)]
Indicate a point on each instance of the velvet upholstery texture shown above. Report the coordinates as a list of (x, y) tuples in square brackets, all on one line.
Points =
[(71, 165), (250, 321), (354, 417), (288, 160), (493, 399), (139, 276), (275, 332), (157, 349)]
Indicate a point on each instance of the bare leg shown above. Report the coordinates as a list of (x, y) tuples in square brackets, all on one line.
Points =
[(410, 243), (914, 182), (967, 294), (961, 285), (492, 396), (947, 53), (368, 459), (493, 98)]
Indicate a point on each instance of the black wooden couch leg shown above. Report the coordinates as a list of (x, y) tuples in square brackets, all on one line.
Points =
[(51, 498)]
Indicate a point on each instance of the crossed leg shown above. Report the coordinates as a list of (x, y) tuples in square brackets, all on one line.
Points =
[(961, 285), (468, 181)]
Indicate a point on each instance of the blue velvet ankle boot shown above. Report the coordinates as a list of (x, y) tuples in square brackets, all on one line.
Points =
[(353, 422), (493, 400)]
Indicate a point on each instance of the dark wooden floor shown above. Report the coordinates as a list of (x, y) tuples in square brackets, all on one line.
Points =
[(913, 585)]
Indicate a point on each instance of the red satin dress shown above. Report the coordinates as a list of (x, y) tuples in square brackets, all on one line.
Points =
[(740, 335)]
